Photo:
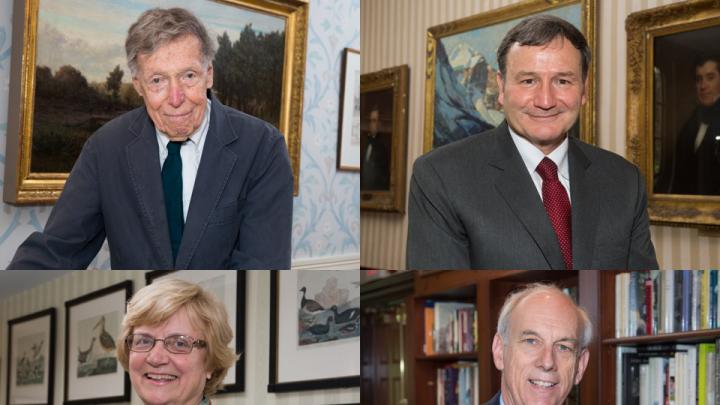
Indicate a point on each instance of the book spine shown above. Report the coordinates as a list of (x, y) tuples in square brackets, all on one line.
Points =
[(667, 300), (705, 300), (649, 327), (686, 298)]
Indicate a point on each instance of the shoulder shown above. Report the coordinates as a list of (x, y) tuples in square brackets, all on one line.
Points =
[(471, 151), (246, 126), (610, 162)]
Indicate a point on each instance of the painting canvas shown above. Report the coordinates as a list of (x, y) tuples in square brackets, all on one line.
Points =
[(329, 307), (96, 344), (92, 324), (673, 110), (31, 358), (81, 79), (349, 137), (229, 287), (461, 87), (307, 361)]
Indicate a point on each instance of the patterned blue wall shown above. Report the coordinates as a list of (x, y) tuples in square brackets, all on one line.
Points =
[(326, 217)]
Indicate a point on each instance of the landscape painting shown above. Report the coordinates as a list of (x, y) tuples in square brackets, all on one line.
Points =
[(463, 91), (96, 345), (82, 81), (328, 306)]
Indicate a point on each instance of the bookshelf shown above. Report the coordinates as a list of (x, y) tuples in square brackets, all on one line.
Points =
[(611, 344), (488, 290)]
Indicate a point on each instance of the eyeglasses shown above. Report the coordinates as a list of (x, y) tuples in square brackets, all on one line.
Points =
[(177, 344)]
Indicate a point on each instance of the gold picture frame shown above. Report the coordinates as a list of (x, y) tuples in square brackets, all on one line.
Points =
[(480, 36), (43, 184), (663, 44), (384, 98)]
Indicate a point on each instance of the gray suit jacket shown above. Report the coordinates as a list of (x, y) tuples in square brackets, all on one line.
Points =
[(494, 401), (473, 205), (240, 213)]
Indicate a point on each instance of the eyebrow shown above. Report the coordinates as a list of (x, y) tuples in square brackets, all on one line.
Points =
[(531, 73), (530, 332)]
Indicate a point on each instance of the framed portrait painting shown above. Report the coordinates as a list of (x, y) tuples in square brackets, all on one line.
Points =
[(673, 110), (229, 288), (314, 321), (461, 91), (383, 139), (31, 358), (69, 77), (349, 128), (93, 374)]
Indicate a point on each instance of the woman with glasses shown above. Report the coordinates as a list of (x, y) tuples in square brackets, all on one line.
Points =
[(175, 343)]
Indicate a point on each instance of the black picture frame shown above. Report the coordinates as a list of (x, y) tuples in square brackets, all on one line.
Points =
[(127, 286), (51, 313), (273, 384), (238, 328)]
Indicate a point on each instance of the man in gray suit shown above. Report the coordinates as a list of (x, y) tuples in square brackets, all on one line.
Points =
[(541, 346), (183, 182), (525, 194)]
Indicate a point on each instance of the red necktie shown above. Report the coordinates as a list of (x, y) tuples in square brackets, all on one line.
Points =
[(557, 205)]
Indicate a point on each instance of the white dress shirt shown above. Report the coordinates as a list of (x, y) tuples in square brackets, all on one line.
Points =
[(532, 156), (190, 153)]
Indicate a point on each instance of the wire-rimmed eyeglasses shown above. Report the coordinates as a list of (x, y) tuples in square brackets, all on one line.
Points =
[(178, 344)]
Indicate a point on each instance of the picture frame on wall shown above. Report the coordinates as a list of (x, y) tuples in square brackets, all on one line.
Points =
[(673, 111), (461, 91), (229, 287), (349, 124), (69, 77), (93, 374), (383, 139), (314, 321), (31, 358)]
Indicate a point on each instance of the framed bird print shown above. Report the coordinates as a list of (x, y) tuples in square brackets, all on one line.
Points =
[(229, 287), (314, 330), (31, 358), (93, 374)]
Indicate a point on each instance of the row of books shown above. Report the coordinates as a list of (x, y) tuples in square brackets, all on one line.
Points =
[(648, 303), (457, 384), (670, 374), (450, 327)]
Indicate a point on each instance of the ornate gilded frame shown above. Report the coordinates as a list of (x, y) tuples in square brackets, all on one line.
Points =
[(395, 79), (702, 211), (501, 15), (22, 186)]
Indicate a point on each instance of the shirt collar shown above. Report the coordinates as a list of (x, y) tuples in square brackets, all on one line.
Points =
[(501, 400), (197, 136), (532, 156)]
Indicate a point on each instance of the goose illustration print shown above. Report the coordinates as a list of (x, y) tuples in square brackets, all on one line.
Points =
[(96, 345), (328, 306), (31, 361)]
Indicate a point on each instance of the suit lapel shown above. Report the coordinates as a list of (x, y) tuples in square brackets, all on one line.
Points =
[(585, 208), (216, 165), (518, 190), (144, 168)]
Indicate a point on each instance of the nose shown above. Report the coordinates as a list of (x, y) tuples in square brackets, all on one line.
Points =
[(177, 93), (545, 96), (546, 359), (157, 356)]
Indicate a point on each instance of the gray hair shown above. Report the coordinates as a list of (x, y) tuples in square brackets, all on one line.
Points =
[(157, 27), (512, 301)]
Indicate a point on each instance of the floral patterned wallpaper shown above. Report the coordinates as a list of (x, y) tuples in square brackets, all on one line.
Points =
[(326, 217)]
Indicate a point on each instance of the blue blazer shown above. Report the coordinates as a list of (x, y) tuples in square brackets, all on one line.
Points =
[(240, 214), (494, 401)]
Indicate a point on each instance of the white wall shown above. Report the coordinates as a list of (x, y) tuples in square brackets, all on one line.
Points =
[(257, 335)]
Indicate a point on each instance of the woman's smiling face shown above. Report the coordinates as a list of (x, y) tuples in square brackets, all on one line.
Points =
[(161, 377)]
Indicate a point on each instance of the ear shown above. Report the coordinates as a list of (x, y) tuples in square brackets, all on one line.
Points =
[(582, 365), (208, 375), (497, 351), (209, 75), (137, 86), (583, 98), (501, 88)]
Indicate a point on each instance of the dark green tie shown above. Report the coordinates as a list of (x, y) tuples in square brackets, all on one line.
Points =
[(172, 187)]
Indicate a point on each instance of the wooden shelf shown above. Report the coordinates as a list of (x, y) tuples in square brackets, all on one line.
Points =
[(447, 356), (685, 337)]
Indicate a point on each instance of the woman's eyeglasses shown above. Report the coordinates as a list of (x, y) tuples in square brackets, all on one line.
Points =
[(178, 344)]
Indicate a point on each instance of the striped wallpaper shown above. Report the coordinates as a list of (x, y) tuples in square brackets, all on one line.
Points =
[(56, 292), (393, 33)]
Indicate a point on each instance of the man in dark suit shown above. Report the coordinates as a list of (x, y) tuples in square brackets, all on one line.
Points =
[(375, 165), (697, 157), (183, 182), (525, 194), (541, 346)]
